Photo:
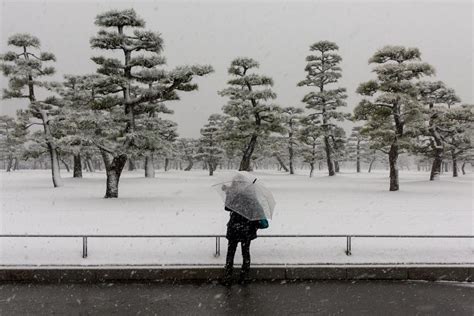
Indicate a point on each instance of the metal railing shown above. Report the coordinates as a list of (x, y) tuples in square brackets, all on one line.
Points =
[(218, 237)]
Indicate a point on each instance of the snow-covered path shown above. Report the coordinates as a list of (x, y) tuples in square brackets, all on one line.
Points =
[(178, 202)]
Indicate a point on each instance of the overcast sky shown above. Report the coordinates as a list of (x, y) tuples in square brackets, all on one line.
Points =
[(276, 33)]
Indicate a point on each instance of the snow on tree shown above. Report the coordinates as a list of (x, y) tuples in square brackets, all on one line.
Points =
[(210, 149), (12, 139), (253, 117), (151, 112), (436, 99), (393, 112), (323, 70), (231, 142), (157, 135), (77, 94), (132, 88), (24, 69), (309, 137), (291, 121), (457, 131), (338, 145)]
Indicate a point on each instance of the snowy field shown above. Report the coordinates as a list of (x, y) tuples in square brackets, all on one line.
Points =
[(178, 202)]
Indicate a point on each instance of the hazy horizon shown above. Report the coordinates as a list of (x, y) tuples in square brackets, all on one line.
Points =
[(277, 34)]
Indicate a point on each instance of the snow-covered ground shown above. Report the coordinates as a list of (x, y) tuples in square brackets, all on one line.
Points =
[(178, 202)]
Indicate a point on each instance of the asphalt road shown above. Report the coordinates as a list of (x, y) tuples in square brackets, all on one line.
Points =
[(275, 298)]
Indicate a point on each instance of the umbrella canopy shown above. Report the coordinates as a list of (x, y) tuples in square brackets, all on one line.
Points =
[(246, 195)]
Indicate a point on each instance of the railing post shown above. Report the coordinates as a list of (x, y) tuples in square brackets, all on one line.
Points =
[(84, 247), (348, 246), (218, 247)]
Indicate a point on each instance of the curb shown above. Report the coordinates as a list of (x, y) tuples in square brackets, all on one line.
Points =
[(104, 274)]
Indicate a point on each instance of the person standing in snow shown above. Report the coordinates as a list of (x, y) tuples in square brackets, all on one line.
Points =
[(239, 229), (243, 230)]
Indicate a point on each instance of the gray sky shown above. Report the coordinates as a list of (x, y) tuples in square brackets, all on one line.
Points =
[(276, 33)]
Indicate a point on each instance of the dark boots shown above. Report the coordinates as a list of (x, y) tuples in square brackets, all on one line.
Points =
[(229, 265)]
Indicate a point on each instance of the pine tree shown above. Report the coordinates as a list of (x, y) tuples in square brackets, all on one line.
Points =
[(154, 135), (436, 99), (309, 136), (338, 145), (12, 139), (393, 112), (323, 70), (291, 118), (24, 69), (132, 87), (248, 105), (211, 151), (77, 95), (457, 131), (231, 142)]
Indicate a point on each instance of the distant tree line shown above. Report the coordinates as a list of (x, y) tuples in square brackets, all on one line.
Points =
[(121, 114)]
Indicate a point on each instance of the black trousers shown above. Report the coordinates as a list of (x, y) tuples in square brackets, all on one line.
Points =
[(229, 263)]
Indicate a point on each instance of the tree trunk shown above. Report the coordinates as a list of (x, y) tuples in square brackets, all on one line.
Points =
[(77, 173), (371, 164), (167, 162), (10, 163), (436, 166), (190, 165), (455, 165), (131, 164), (327, 148), (65, 165), (55, 173), (89, 165), (211, 168), (336, 166), (311, 169), (463, 168), (437, 146), (281, 162), (113, 167), (358, 156), (446, 167), (16, 164), (291, 154), (149, 167), (392, 158), (245, 163)]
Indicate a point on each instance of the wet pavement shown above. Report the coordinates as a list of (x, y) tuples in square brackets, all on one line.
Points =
[(261, 298)]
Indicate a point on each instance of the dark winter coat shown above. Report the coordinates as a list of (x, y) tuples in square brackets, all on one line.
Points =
[(239, 228)]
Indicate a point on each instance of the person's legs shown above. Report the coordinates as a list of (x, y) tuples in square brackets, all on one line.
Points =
[(246, 260), (229, 262)]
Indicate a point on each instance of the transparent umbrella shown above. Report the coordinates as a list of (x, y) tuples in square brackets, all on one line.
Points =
[(246, 195)]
